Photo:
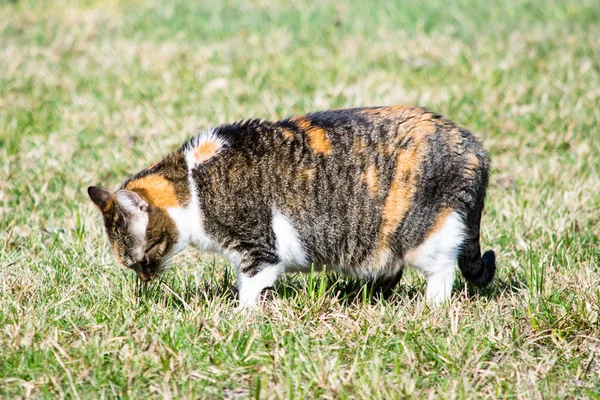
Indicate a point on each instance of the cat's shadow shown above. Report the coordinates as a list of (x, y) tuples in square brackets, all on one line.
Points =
[(498, 288), (342, 290), (339, 290), (345, 291)]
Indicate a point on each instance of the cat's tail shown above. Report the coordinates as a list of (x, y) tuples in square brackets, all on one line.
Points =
[(477, 269)]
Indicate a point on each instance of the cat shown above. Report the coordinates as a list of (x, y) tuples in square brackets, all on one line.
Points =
[(362, 191)]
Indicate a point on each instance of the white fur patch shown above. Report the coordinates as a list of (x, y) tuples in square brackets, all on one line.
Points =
[(436, 258), (249, 288), (203, 147), (289, 250), (190, 222), (137, 229), (289, 247), (187, 221), (129, 204)]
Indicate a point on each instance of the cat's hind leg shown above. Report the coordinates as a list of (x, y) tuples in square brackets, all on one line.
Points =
[(436, 257)]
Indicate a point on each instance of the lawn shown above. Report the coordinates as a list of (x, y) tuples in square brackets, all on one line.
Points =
[(94, 91)]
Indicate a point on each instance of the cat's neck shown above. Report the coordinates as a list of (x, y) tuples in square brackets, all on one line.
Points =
[(169, 186), (188, 218), (188, 222)]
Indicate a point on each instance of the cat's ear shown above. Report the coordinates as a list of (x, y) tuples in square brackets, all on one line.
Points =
[(99, 196), (131, 203)]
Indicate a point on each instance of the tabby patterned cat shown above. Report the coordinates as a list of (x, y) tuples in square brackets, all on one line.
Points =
[(362, 191)]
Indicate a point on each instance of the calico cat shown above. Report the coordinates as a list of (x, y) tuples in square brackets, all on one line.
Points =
[(363, 191)]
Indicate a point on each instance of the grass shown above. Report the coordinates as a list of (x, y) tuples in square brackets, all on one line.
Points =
[(93, 91)]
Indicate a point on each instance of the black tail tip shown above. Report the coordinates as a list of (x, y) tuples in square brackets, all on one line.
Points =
[(489, 259), (489, 268)]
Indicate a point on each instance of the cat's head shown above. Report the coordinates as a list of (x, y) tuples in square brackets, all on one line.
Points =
[(141, 235)]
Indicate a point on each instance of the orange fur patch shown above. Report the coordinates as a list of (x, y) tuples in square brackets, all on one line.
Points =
[(371, 178), (157, 190), (109, 203), (399, 198), (386, 147), (205, 150), (287, 134), (317, 137), (422, 127), (440, 220)]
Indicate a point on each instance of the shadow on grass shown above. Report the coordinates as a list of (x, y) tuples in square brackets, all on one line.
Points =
[(180, 295), (344, 290), (339, 289), (497, 289)]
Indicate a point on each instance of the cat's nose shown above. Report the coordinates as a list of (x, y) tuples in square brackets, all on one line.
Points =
[(143, 276)]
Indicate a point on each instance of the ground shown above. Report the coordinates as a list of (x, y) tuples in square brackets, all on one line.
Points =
[(93, 91)]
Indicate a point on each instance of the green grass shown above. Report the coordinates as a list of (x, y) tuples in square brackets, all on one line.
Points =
[(93, 91)]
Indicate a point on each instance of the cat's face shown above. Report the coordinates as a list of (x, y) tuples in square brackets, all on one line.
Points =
[(141, 235)]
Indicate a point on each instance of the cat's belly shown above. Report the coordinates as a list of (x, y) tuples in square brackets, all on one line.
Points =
[(295, 257)]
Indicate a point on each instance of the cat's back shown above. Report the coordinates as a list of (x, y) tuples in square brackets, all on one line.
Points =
[(359, 151), (343, 135), (336, 132)]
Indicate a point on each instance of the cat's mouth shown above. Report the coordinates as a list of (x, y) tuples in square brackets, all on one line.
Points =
[(144, 274), (145, 277), (149, 271)]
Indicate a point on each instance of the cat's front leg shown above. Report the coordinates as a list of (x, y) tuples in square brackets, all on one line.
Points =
[(252, 281)]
